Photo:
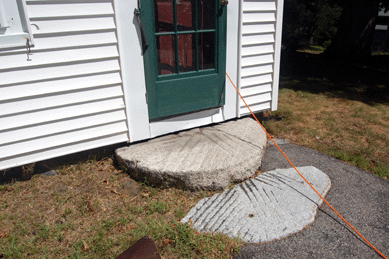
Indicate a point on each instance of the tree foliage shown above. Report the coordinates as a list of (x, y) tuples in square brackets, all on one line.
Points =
[(308, 22), (346, 27)]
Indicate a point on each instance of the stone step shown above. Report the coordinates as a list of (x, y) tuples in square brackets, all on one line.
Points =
[(206, 158), (273, 205)]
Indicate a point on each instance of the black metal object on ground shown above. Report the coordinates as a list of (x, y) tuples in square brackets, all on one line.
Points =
[(144, 248)]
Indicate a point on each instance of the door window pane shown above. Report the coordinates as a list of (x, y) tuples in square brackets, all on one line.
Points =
[(187, 52), (163, 11), (185, 17), (207, 50), (165, 55), (206, 14)]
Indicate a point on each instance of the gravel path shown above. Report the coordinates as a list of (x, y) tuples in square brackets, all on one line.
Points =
[(359, 196)]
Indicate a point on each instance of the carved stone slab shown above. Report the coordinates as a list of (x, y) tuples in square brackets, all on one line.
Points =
[(206, 158), (273, 205)]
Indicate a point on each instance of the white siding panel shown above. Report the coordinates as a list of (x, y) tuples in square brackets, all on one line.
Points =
[(62, 150), (50, 101), (259, 5), (258, 17), (56, 86), (257, 60), (255, 108), (53, 72), (255, 80), (257, 39), (257, 49), (56, 57), (56, 127), (257, 89), (254, 99), (74, 25), (69, 10), (69, 97), (256, 28), (61, 139), (256, 70), (60, 113), (71, 41), (259, 27)]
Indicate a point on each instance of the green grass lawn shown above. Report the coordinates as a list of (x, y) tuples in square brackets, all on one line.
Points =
[(339, 109)]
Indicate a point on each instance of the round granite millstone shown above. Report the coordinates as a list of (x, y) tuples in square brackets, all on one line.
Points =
[(206, 158), (271, 206)]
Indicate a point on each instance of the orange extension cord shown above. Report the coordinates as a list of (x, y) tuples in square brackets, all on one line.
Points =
[(356, 231)]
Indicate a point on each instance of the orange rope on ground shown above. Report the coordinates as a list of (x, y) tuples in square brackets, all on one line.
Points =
[(337, 213)]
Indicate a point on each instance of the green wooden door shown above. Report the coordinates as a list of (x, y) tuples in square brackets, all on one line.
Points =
[(185, 61)]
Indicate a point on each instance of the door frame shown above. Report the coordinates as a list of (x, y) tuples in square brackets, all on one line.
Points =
[(160, 103), (134, 85)]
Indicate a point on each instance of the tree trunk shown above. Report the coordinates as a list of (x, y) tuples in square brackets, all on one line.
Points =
[(356, 30)]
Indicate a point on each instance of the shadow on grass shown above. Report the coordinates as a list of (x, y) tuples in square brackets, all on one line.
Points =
[(367, 82)]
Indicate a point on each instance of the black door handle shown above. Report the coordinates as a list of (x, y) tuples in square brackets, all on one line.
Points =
[(145, 44)]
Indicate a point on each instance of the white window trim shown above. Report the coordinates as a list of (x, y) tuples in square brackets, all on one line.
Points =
[(18, 33)]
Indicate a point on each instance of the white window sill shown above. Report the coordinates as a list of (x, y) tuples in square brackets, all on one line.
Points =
[(14, 40)]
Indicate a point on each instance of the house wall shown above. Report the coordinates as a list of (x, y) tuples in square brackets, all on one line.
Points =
[(260, 45), (69, 97), (85, 88)]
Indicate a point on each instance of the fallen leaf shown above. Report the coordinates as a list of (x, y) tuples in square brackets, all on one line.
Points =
[(166, 242), (86, 247), (129, 228), (145, 194), (191, 222), (3, 235), (116, 192)]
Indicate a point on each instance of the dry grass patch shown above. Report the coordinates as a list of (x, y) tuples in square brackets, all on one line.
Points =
[(341, 112), (95, 210)]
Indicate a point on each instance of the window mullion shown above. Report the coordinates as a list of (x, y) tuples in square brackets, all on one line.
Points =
[(176, 36), (196, 27)]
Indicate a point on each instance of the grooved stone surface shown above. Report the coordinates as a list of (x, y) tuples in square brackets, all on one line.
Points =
[(205, 158), (273, 205)]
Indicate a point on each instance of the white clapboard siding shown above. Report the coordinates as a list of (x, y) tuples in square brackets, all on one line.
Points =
[(256, 89), (257, 60), (256, 28), (63, 150), (255, 99), (255, 39), (259, 5), (53, 10), (62, 99), (41, 130), (256, 80), (60, 113), (29, 90), (73, 26), (256, 70), (257, 53), (255, 107), (59, 56), (9, 150), (257, 49), (60, 71), (69, 97)]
